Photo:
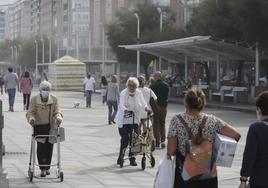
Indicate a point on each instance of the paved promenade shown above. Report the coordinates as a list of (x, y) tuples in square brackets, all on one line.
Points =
[(90, 151)]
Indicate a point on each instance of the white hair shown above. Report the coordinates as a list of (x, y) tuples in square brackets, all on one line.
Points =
[(134, 80), (45, 85)]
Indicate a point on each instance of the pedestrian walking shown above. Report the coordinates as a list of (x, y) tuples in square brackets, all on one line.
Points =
[(10, 82), (161, 90), (44, 111), (128, 117), (112, 99), (26, 86), (189, 123), (89, 88), (147, 95), (254, 169), (104, 84), (1, 83)]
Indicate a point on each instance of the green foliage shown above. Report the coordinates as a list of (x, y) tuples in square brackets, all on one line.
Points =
[(124, 31)]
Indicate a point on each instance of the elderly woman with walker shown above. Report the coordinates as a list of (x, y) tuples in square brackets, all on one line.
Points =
[(128, 117)]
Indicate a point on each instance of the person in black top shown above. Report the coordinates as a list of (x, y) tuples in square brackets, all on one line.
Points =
[(161, 90), (255, 159)]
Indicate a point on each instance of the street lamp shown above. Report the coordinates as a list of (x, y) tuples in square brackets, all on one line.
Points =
[(36, 58), (138, 37), (161, 28), (50, 57), (16, 53), (43, 50), (12, 53), (103, 48), (161, 18)]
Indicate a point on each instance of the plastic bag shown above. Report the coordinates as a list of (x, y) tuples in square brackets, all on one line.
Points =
[(165, 174)]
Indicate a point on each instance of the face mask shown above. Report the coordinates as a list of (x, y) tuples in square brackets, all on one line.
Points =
[(44, 94)]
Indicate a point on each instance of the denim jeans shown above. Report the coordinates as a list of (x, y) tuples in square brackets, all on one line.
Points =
[(112, 110), (11, 97), (88, 96)]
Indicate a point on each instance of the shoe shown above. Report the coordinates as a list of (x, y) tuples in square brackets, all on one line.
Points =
[(113, 122), (120, 161), (132, 162), (47, 172), (163, 145), (109, 123), (43, 173)]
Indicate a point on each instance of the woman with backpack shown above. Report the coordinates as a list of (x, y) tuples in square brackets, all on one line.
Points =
[(26, 86), (195, 125), (254, 169)]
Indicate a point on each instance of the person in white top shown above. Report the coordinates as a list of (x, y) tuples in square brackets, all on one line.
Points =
[(147, 94), (128, 117), (89, 88)]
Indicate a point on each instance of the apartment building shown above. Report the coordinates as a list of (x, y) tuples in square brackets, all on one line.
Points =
[(17, 19), (2, 22)]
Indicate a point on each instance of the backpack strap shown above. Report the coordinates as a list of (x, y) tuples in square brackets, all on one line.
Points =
[(189, 131)]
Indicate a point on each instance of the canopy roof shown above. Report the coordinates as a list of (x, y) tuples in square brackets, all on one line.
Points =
[(196, 48)]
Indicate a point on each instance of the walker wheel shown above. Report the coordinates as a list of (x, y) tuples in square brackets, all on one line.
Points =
[(61, 176), (152, 161), (143, 163)]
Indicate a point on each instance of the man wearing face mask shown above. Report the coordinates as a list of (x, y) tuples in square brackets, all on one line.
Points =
[(44, 111)]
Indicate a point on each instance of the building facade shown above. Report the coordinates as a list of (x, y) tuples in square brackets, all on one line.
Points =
[(35, 16), (2, 23), (17, 19)]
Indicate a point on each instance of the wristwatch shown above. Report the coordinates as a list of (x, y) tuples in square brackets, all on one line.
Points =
[(243, 179)]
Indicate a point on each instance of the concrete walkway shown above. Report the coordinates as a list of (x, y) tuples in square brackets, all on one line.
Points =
[(91, 148)]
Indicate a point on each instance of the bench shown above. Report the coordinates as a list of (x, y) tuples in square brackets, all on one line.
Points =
[(220, 94), (238, 94)]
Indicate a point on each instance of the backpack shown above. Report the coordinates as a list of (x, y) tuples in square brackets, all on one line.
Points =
[(199, 162)]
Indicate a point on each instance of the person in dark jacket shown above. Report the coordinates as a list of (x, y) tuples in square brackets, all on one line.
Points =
[(254, 169), (161, 90)]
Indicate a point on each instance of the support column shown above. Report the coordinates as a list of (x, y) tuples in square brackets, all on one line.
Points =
[(257, 65), (218, 71), (3, 175), (185, 69)]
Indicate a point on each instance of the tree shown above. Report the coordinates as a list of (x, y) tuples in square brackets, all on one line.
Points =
[(124, 31)]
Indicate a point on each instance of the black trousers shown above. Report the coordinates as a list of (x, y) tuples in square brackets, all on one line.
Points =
[(44, 154), (26, 100), (126, 138)]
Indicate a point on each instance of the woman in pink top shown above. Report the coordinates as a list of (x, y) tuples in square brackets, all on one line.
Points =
[(26, 86)]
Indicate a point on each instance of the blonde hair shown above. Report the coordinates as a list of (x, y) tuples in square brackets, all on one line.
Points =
[(195, 99), (114, 78)]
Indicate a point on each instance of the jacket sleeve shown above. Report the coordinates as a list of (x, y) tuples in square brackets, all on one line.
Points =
[(122, 101), (32, 110), (56, 110), (250, 153)]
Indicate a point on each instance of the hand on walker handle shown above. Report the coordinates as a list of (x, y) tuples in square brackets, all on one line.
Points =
[(243, 185), (31, 121), (58, 121)]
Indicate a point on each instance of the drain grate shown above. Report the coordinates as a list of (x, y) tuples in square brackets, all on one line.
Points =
[(15, 153)]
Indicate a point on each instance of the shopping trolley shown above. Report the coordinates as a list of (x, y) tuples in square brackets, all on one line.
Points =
[(33, 164)]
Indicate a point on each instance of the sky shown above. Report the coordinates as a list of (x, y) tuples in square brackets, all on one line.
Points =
[(3, 2)]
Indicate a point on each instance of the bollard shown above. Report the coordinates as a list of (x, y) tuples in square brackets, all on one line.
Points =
[(3, 174)]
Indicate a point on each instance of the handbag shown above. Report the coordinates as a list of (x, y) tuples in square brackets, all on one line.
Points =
[(165, 174), (55, 133), (41, 129)]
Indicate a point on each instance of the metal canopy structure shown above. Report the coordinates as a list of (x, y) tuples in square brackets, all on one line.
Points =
[(196, 48), (201, 48)]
